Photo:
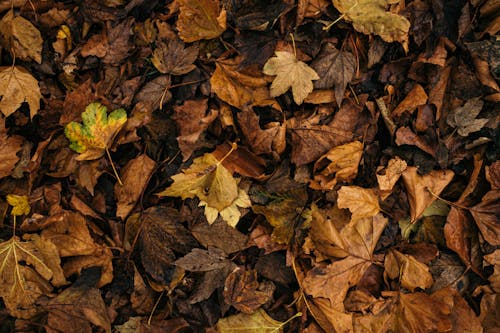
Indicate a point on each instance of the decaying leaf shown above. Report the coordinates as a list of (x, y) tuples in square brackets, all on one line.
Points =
[(214, 185), (371, 17), (335, 68), (20, 37), (9, 146), (290, 73), (361, 202), (420, 188), (340, 164), (17, 85), (464, 118), (96, 134), (200, 19), (410, 272), (174, 58), (486, 214), (388, 176), (257, 322), (241, 290)]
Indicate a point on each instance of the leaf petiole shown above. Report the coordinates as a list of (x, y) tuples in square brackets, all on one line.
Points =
[(113, 166)]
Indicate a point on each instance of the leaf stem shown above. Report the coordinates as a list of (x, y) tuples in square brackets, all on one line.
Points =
[(113, 166)]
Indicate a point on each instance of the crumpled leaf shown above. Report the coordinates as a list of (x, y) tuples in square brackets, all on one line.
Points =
[(241, 290), (214, 185), (388, 176), (290, 73), (97, 132), (257, 322), (486, 214), (17, 85), (174, 58), (370, 17), (26, 269), (411, 273), (9, 146), (361, 202), (418, 188), (343, 167), (19, 203), (464, 119), (200, 19), (20, 37), (335, 68)]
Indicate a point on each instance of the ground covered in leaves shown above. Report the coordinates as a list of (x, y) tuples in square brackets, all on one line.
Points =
[(249, 166)]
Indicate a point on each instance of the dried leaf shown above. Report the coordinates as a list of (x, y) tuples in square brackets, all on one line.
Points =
[(458, 233), (464, 118), (416, 97), (17, 85), (135, 177), (419, 188), (486, 214), (220, 235), (388, 176), (19, 203), (257, 322), (9, 146), (97, 133), (241, 291), (21, 37), (174, 58), (335, 68), (290, 73), (200, 19), (412, 274), (199, 260), (340, 164), (369, 16), (361, 202)]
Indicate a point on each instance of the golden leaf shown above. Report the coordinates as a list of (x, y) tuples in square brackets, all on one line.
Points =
[(19, 203), (21, 37), (200, 19), (411, 273), (17, 85), (361, 202)]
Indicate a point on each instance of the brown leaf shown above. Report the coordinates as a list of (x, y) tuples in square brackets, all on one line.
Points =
[(494, 260), (199, 260), (361, 202), (405, 136), (174, 58), (75, 102), (20, 37), (146, 325), (154, 94), (262, 141), (419, 188), (9, 146), (459, 234), (447, 271), (135, 176), (220, 235), (415, 98), (340, 164), (412, 274), (310, 9), (388, 176), (464, 118), (200, 19), (239, 88), (241, 291), (493, 175), (192, 121), (335, 68), (486, 214), (17, 85), (241, 161)]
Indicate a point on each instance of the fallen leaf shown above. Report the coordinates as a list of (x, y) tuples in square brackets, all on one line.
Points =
[(369, 17), (174, 58), (412, 274), (241, 290), (310, 9), (19, 203), (231, 214), (458, 233), (257, 322), (96, 134), (388, 176), (486, 214), (17, 85), (290, 73), (220, 235), (20, 37), (144, 324), (192, 120), (9, 146), (405, 136), (155, 93), (340, 164), (75, 103), (416, 97), (419, 188), (493, 259), (135, 176), (335, 68), (361, 202), (200, 19), (239, 88), (447, 271), (464, 118)]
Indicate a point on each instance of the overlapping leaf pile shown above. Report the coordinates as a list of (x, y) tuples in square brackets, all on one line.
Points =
[(268, 166)]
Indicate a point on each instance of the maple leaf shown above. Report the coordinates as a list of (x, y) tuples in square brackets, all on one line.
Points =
[(464, 119), (200, 19), (336, 69), (257, 322), (290, 73), (361, 202), (369, 16), (96, 134), (19, 203), (21, 37), (17, 85), (214, 185), (174, 58), (411, 273), (25, 271)]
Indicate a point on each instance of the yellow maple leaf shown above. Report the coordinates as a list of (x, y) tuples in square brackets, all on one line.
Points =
[(19, 203), (290, 73), (17, 85)]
